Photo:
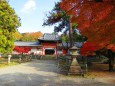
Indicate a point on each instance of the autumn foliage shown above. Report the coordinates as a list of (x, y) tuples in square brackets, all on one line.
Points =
[(22, 49), (33, 36), (95, 19), (88, 49)]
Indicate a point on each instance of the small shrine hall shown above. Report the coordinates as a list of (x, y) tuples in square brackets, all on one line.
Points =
[(46, 45)]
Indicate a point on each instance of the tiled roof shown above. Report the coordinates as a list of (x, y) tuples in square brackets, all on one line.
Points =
[(20, 43), (77, 44), (50, 37)]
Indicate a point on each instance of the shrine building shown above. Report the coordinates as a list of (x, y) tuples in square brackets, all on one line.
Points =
[(46, 45), (49, 44)]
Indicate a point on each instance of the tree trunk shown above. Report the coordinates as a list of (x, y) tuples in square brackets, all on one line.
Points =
[(111, 61), (67, 47), (71, 33)]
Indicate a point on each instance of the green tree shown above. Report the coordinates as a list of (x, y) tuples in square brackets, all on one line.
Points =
[(65, 39), (77, 37), (57, 15), (9, 21)]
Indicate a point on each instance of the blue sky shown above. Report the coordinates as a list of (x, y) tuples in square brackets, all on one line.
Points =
[(32, 14)]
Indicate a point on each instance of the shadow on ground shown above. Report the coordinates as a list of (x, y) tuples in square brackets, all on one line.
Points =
[(20, 79), (42, 73)]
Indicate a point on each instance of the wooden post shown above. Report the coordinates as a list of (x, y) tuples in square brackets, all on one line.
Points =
[(42, 52), (56, 53)]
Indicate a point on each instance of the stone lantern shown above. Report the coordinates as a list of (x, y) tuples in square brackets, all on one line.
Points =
[(74, 67), (74, 51), (9, 58)]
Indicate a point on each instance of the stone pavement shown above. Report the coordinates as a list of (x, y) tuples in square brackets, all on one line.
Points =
[(42, 73)]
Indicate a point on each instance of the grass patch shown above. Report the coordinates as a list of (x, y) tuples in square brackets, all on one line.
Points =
[(4, 62), (14, 60)]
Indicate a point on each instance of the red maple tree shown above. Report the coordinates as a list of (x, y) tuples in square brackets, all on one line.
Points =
[(95, 19), (88, 49), (22, 49)]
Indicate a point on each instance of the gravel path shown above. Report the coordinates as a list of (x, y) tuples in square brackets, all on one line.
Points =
[(42, 73)]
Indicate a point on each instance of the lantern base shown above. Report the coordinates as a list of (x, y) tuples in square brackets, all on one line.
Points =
[(75, 68)]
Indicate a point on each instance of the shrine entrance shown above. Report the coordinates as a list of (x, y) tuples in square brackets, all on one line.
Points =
[(49, 51), (49, 44)]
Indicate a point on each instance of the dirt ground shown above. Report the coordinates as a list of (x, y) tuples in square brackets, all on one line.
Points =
[(45, 73), (100, 72)]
